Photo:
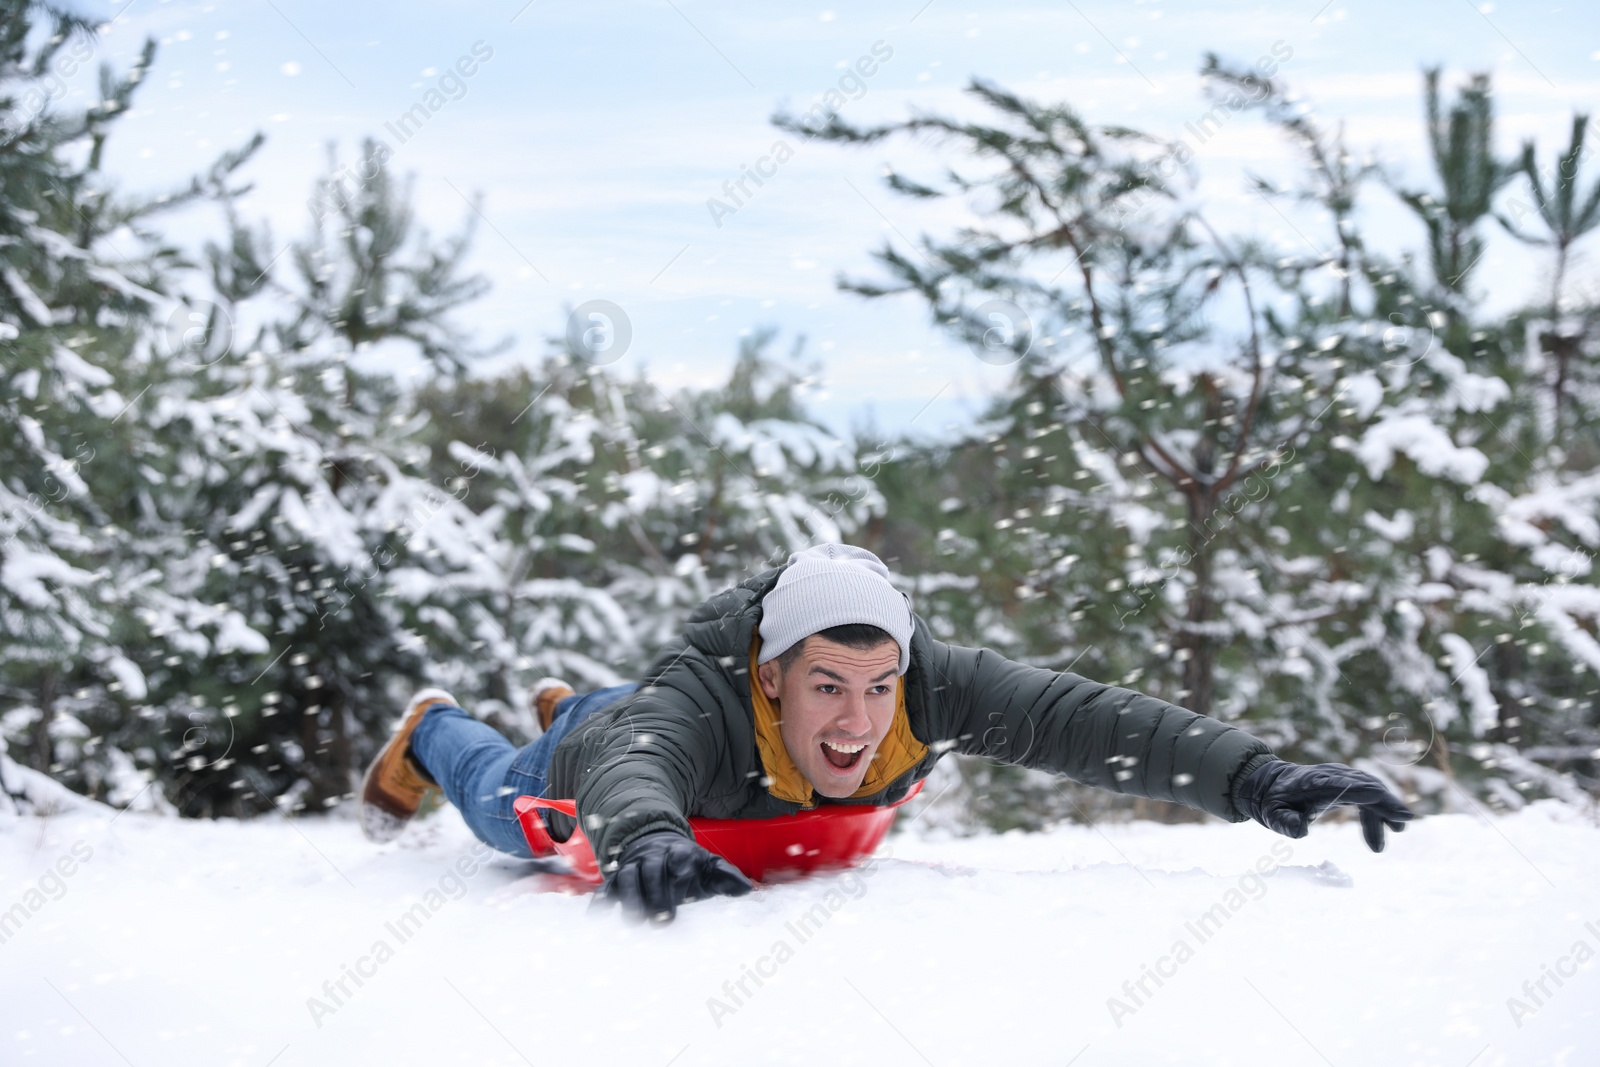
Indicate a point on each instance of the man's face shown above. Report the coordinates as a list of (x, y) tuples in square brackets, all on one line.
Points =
[(831, 700)]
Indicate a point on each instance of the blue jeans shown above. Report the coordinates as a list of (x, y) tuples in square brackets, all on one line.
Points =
[(483, 774)]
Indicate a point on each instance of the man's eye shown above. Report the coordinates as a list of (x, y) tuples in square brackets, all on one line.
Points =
[(825, 685)]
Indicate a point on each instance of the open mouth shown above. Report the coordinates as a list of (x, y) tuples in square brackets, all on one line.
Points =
[(842, 756)]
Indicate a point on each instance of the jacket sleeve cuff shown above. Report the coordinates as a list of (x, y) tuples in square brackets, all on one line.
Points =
[(616, 843), (1241, 776)]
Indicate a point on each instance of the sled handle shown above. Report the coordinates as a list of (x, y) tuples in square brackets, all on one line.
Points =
[(575, 849), (565, 807)]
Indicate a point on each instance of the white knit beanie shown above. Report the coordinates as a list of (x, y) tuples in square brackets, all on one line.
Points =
[(832, 585)]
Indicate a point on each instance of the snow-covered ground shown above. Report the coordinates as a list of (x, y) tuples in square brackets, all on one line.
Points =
[(169, 942)]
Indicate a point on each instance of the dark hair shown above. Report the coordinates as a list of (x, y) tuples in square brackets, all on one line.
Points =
[(859, 635)]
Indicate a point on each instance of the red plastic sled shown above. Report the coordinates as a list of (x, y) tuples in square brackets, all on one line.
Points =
[(764, 849)]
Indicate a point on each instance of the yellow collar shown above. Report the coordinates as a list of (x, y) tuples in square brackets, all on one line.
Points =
[(898, 752)]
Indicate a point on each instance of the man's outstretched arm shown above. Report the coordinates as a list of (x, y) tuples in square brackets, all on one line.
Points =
[(638, 773), (1131, 743)]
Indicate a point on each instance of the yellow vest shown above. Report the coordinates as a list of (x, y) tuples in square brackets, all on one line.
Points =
[(897, 753)]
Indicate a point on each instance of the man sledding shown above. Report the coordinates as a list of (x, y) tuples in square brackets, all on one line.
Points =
[(854, 702)]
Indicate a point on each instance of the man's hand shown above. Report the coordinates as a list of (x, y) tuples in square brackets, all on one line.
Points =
[(1285, 797), (662, 869)]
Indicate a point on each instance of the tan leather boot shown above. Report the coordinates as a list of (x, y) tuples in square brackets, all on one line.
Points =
[(544, 695), (395, 783)]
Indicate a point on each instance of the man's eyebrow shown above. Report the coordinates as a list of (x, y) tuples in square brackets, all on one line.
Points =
[(818, 668)]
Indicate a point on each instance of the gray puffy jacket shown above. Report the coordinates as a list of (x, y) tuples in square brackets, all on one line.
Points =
[(684, 743)]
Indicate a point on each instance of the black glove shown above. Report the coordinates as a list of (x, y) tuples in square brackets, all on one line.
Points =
[(1285, 797), (662, 869)]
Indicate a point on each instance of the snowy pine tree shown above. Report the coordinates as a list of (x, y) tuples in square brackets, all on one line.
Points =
[(83, 273), (305, 492)]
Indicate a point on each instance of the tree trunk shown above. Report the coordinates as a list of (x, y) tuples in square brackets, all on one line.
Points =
[(1200, 667), (40, 751), (708, 532), (1555, 285), (327, 750), (1561, 349), (344, 776), (1508, 664)]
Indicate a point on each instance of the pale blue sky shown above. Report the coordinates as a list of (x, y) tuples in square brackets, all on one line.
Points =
[(597, 132)]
